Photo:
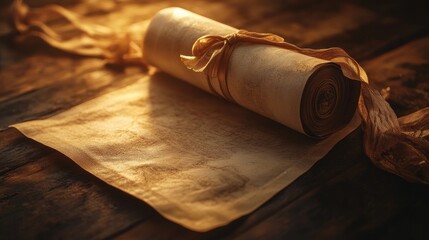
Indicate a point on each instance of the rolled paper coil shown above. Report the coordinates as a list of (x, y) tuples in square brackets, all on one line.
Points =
[(328, 102)]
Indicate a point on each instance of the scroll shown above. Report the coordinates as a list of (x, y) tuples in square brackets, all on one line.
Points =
[(307, 94), (203, 162)]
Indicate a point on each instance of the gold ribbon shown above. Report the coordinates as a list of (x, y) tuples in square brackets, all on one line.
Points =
[(399, 146)]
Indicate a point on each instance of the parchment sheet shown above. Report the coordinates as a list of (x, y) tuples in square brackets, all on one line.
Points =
[(199, 160)]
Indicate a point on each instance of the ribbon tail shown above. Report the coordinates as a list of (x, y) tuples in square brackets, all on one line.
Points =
[(82, 46), (395, 145), (190, 62), (94, 40), (202, 62), (416, 124)]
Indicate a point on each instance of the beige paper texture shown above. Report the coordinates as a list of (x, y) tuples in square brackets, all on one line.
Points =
[(197, 159)]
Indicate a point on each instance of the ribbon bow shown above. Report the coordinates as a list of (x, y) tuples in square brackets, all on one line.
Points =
[(211, 55), (208, 47)]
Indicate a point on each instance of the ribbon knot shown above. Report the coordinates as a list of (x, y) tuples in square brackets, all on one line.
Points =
[(211, 54), (208, 47), (231, 38)]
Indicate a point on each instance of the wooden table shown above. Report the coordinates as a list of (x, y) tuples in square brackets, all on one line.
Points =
[(43, 194)]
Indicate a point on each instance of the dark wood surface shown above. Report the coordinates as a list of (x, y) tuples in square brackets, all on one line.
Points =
[(43, 194)]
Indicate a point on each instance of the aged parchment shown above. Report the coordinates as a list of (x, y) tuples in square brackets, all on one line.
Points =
[(197, 159)]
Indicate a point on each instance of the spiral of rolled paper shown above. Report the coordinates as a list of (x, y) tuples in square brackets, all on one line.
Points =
[(329, 101)]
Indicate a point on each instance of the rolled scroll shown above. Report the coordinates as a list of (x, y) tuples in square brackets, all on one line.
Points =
[(307, 94)]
